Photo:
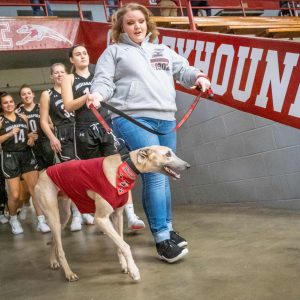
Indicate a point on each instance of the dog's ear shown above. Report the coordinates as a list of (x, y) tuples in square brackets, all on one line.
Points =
[(143, 154)]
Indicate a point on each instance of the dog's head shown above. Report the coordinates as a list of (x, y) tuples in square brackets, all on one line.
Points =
[(159, 159)]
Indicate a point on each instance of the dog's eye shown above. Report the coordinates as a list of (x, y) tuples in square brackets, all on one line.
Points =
[(168, 154)]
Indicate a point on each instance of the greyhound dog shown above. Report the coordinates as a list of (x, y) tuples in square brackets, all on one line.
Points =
[(105, 196)]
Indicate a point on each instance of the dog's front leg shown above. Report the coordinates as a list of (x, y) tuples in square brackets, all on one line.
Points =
[(107, 227), (103, 211), (117, 220)]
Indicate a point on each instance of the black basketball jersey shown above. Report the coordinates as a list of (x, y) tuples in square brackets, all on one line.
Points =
[(82, 86), (57, 112), (33, 120), (17, 142)]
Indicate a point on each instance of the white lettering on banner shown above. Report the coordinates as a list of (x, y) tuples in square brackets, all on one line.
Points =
[(190, 45), (274, 77), (295, 107), (5, 42), (227, 51), (209, 49), (271, 77), (169, 41), (256, 55)]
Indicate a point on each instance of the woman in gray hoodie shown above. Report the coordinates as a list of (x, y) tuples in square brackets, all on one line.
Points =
[(137, 76)]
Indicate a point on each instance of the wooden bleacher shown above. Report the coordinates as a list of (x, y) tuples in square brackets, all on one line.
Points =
[(283, 32), (273, 27)]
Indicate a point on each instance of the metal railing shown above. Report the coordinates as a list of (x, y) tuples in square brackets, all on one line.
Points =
[(188, 7), (185, 7), (43, 5)]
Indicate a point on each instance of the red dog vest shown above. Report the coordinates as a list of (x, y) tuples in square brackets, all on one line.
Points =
[(76, 177)]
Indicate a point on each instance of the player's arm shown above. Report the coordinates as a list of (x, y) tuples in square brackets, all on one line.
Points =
[(44, 121), (4, 137), (70, 103)]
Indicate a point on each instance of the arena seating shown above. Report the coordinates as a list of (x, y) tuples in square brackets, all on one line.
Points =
[(261, 26)]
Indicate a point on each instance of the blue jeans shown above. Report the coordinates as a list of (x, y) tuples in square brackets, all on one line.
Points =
[(37, 9), (156, 187)]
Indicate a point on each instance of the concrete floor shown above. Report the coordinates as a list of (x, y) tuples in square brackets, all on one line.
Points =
[(235, 253)]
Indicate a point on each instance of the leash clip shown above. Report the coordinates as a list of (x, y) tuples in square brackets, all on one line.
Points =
[(116, 141)]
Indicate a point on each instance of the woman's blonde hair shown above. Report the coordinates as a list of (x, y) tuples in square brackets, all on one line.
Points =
[(118, 16), (55, 65)]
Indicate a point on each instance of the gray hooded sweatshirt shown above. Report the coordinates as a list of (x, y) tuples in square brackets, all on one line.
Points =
[(139, 79)]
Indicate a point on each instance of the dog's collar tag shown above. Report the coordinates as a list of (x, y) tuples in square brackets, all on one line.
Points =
[(125, 178)]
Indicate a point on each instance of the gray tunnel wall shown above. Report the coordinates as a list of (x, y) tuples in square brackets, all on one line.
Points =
[(236, 157)]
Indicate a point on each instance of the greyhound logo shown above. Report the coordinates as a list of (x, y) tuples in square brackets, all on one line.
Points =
[(36, 33)]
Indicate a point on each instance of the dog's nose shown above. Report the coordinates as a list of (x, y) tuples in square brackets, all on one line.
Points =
[(187, 165)]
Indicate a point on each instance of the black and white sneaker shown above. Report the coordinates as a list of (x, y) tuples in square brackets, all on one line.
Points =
[(177, 239), (170, 252)]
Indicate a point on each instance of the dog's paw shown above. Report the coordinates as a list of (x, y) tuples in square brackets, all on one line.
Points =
[(54, 265), (72, 277), (134, 273)]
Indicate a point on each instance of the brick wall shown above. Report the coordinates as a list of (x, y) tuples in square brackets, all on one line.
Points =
[(237, 158)]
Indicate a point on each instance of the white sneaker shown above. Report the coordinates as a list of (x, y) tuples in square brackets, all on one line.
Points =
[(76, 223), (135, 223), (3, 219), (16, 226), (43, 227), (88, 219)]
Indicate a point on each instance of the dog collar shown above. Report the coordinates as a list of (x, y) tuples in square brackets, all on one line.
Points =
[(126, 158), (125, 178)]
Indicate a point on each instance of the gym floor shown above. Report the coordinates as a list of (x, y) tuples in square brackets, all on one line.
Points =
[(234, 253)]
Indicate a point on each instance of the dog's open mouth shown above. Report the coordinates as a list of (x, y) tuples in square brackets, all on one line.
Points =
[(171, 172)]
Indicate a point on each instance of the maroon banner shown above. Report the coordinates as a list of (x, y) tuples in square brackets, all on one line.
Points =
[(255, 75), (29, 34), (95, 36)]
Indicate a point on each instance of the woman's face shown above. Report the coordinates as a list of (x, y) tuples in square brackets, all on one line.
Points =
[(134, 24), (27, 95), (80, 57), (7, 104), (58, 73)]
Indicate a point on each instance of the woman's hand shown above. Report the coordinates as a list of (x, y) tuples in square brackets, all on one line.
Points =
[(55, 144), (30, 142), (203, 82), (94, 99), (33, 135), (14, 131), (23, 116)]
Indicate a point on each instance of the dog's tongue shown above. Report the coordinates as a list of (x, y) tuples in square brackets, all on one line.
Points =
[(171, 172)]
